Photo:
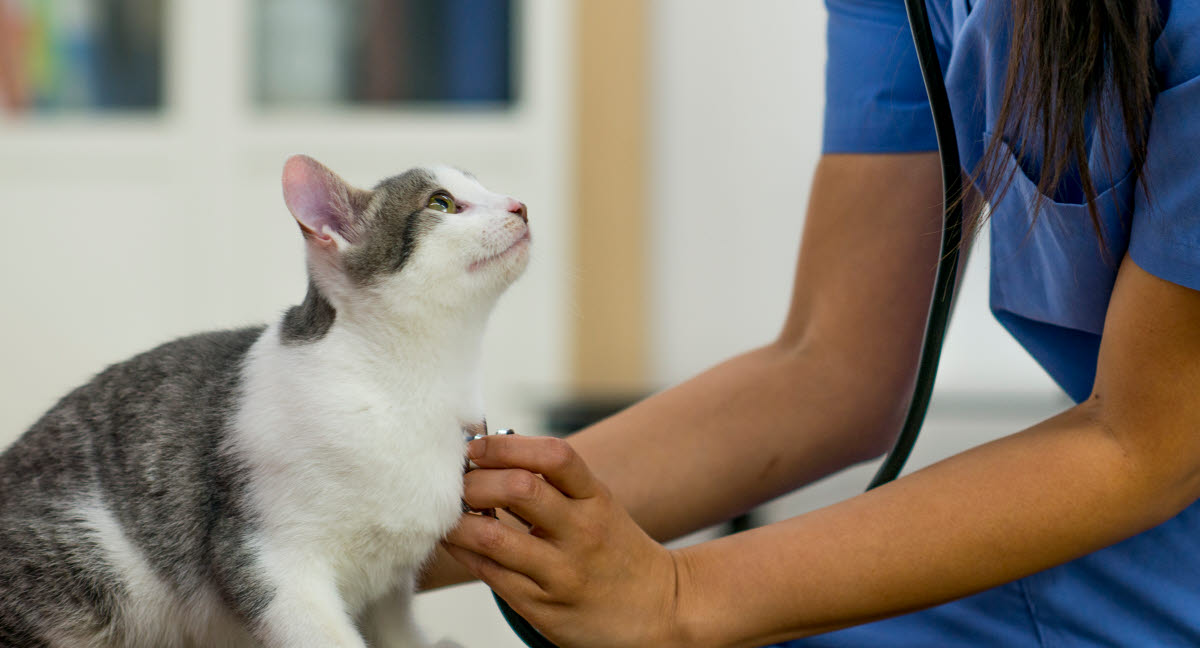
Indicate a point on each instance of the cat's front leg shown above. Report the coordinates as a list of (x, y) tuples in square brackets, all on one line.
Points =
[(387, 622), (306, 611)]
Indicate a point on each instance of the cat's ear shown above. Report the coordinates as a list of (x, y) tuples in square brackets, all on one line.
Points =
[(324, 206)]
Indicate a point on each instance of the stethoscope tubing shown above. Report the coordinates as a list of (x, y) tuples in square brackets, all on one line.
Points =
[(952, 225)]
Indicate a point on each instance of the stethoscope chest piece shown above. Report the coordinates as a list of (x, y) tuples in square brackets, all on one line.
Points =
[(469, 465)]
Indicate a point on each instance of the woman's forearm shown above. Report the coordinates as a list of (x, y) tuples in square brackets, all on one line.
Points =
[(983, 518), (749, 429)]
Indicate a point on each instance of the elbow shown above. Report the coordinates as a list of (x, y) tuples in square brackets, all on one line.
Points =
[(892, 396), (863, 397), (1158, 456), (876, 439)]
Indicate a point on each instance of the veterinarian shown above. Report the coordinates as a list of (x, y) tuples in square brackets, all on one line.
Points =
[(1079, 122)]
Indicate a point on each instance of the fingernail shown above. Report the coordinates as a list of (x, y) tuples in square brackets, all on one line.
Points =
[(475, 449)]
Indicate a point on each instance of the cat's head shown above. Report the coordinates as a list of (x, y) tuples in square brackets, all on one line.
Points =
[(427, 238)]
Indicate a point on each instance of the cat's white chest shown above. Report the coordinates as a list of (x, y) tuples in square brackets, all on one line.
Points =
[(359, 471), (403, 480), (385, 520)]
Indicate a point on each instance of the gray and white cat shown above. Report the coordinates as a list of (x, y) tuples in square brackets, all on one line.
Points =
[(276, 486)]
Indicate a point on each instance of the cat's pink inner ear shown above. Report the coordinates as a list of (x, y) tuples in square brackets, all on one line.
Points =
[(318, 198)]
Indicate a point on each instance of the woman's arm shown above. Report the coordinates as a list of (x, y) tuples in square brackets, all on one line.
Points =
[(1124, 461), (829, 392)]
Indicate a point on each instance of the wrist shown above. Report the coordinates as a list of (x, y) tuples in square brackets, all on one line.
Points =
[(687, 627), (714, 605)]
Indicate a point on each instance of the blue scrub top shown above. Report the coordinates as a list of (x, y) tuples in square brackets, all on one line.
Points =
[(1050, 288)]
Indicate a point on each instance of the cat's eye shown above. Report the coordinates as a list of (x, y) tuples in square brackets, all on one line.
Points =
[(441, 201)]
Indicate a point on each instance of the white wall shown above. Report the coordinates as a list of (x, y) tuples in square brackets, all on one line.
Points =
[(737, 92)]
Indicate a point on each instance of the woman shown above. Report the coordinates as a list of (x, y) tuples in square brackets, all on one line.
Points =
[(1075, 117)]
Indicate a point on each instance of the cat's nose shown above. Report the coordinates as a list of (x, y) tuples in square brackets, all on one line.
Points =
[(517, 207)]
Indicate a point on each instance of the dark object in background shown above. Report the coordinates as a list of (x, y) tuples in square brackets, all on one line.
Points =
[(129, 54), (566, 417), (480, 65)]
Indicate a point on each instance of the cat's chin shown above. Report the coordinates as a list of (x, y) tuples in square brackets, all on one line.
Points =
[(519, 250)]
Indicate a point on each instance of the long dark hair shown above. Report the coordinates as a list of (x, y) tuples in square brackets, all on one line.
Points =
[(1070, 61)]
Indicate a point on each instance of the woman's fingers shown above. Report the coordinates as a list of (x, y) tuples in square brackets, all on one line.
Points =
[(584, 564), (501, 579), (494, 546), (552, 458), (525, 495)]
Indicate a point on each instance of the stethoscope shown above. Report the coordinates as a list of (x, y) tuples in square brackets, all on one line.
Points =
[(943, 289)]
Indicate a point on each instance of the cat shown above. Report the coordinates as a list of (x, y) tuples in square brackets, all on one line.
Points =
[(274, 486)]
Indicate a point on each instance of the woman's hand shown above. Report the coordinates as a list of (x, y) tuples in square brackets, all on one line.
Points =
[(583, 573)]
